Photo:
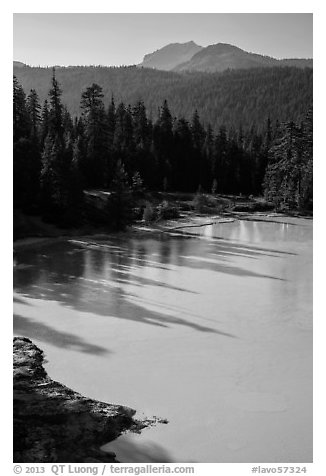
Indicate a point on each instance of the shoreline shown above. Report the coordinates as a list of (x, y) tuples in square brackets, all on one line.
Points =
[(168, 226), (53, 423)]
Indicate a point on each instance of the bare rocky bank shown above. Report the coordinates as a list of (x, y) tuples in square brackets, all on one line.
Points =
[(52, 423)]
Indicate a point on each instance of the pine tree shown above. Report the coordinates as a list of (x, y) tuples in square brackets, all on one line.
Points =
[(111, 120), (80, 151), (34, 165), (183, 150), (94, 117), (140, 126), (120, 201), (55, 125), (163, 144), (119, 133), (142, 160), (33, 108), (128, 143), (68, 124), (74, 212), (56, 157), (54, 193), (220, 171), (21, 119), (200, 169), (208, 152), (286, 168), (197, 132), (26, 151), (306, 185), (44, 122)]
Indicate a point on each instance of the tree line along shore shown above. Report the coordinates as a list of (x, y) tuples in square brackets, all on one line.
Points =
[(109, 165)]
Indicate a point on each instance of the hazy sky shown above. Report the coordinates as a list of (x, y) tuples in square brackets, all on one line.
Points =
[(124, 38)]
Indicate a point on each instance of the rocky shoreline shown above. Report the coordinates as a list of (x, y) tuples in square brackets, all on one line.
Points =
[(53, 423)]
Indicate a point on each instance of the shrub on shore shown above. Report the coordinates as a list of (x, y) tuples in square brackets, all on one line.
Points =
[(166, 211), (149, 213), (200, 203)]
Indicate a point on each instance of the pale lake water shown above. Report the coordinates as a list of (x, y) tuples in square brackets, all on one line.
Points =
[(213, 333)]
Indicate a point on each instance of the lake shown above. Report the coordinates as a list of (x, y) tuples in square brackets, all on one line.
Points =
[(212, 332)]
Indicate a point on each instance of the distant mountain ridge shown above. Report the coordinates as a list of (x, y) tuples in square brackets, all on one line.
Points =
[(170, 56), (183, 57), (19, 64), (189, 56)]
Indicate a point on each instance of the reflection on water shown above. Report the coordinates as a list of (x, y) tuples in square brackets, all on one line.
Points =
[(182, 324)]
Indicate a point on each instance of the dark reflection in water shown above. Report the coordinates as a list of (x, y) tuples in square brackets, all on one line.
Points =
[(53, 263), (92, 276), (18, 300), (28, 327), (91, 281)]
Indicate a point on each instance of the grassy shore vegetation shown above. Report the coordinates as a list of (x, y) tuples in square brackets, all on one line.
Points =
[(109, 165)]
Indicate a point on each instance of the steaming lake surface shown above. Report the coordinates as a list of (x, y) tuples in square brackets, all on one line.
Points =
[(213, 333)]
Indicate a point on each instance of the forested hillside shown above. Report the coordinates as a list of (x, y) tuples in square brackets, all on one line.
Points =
[(120, 148), (232, 98)]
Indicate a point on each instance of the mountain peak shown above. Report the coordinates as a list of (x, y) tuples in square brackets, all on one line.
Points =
[(19, 64), (221, 56), (171, 55), (224, 46)]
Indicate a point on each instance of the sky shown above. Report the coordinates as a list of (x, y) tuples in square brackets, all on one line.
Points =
[(124, 38)]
